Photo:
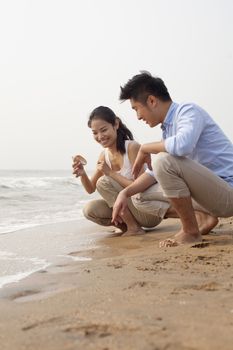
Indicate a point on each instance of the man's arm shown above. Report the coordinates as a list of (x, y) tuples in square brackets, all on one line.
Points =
[(153, 147), (139, 185), (143, 156), (190, 123)]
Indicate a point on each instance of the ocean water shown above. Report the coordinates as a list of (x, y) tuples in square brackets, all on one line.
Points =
[(29, 198), (28, 201)]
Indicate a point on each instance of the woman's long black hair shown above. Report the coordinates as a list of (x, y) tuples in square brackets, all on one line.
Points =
[(106, 114)]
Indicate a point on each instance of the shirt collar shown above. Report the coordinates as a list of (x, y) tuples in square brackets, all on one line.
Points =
[(169, 116)]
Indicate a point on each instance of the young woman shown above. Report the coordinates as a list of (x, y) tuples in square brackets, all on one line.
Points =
[(113, 172)]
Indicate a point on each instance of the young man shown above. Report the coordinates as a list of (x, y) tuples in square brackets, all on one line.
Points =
[(194, 162)]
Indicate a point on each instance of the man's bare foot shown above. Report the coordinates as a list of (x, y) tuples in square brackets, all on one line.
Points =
[(136, 232), (181, 238), (206, 222)]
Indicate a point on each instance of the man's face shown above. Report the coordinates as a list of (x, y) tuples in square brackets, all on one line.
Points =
[(147, 112)]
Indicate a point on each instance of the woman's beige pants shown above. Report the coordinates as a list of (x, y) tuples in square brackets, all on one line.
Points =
[(141, 206)]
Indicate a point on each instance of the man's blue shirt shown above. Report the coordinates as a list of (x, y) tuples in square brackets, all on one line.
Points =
[(189, 131)]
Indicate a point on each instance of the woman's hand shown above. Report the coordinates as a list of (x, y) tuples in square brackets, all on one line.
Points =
[(103, 167), (78, 167)]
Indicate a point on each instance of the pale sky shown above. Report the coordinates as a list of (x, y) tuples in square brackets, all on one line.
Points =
[(61, 58)]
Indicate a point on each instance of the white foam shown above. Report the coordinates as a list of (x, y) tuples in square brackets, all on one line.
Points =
[(18, 277), (76, 258), (14, 262)]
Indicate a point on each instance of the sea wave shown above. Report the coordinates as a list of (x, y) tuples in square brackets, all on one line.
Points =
[(30, 199), (36, 183)]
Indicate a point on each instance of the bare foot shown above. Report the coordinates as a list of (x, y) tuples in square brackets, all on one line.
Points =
[(181, 238), (118, 230), (122, 227), (206, 222), (136, 232)]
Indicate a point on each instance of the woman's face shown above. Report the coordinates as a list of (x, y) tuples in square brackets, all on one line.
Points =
[(104, 132)]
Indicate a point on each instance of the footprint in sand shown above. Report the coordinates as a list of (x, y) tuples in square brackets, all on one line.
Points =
[(141, 284), (209, 287), (116, 265), (200, 245), (41, 323), (145, 268), (97, 330), (23, 293)]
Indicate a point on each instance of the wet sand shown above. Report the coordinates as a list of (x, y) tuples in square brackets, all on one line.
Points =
[(131, 295)]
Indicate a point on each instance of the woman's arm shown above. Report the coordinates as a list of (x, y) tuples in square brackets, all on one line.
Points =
[(88, 184)]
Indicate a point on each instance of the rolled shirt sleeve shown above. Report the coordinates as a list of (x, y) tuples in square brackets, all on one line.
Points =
[(189, 126)]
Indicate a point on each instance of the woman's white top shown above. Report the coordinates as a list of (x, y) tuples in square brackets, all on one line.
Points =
[(126, 169)]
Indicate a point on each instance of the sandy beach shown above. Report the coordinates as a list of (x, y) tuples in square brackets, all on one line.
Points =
[(130, 295)]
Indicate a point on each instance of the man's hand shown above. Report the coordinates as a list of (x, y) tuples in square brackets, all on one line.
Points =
[(140, 160), (119, 208)]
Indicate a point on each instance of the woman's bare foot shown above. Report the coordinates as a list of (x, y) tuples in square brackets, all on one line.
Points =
[(181, 238), (118, 230), (134, 232), (206, 222)]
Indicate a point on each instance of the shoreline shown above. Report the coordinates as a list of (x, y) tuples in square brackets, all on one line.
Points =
[(130, 295), (26, 251)]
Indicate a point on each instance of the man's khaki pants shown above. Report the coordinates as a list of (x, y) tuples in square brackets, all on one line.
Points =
[(183, 177)]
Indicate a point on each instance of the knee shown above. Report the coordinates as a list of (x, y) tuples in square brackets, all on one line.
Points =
[(98, 212), (162, 163), (95, 209), (89, 210), (106, 183), (102, 182)]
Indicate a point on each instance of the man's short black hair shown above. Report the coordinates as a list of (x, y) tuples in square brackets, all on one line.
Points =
[(141, 86)]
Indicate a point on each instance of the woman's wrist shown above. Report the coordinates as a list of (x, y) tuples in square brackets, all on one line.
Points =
[(111, 173), (84, 175)]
